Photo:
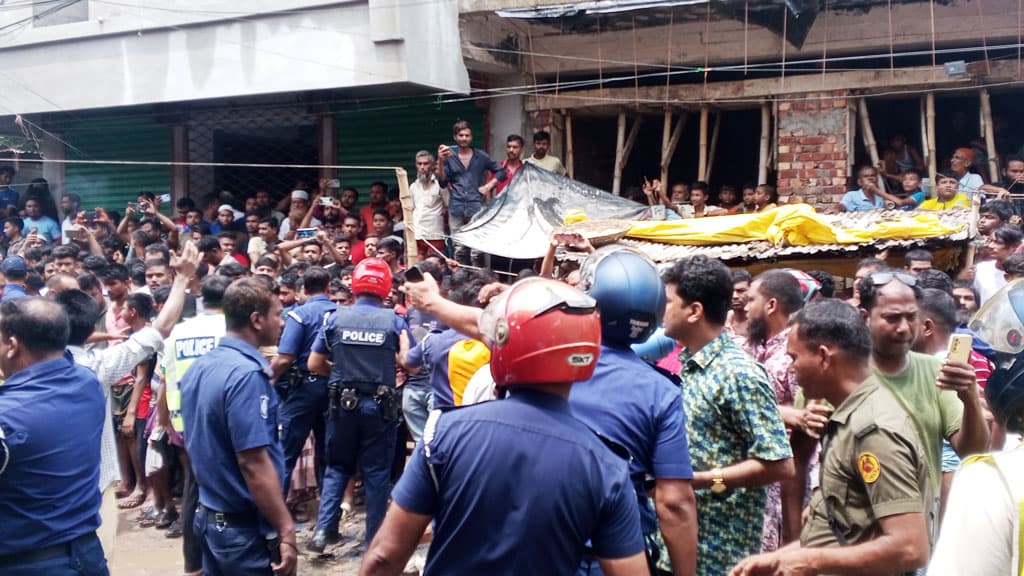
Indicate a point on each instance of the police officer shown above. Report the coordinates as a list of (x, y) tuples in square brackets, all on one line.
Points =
[(304, 406), (635, 406), (231, 411), (516, 486), (358, 348), (51, 420), (872, 512)]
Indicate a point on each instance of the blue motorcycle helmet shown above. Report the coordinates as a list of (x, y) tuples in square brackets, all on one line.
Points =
[(629, 294)]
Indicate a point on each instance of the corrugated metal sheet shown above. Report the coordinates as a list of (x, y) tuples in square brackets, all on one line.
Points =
[(389, 133), (761, 250), (111, 186)]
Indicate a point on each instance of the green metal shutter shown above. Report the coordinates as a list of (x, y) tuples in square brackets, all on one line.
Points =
[(112, 186), (389, 133)]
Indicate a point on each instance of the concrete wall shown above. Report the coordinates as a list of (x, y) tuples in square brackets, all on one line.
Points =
[(187, 50)]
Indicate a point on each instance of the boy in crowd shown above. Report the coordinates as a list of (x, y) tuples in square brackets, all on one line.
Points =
[(947, 193)]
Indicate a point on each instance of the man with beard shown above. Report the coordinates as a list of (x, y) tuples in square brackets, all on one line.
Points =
[(774, 296), (429, 204), (736, 324), (966, 301)]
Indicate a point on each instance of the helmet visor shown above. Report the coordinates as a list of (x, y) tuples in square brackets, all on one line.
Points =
[(1000, 321)]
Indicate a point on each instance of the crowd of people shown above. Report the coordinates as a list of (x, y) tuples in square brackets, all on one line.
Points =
[(219, 367)]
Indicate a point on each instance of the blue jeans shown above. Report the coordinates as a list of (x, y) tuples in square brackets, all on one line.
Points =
[(86, 559), (364, 438), (301, 411), (415, 408), (229, 550)]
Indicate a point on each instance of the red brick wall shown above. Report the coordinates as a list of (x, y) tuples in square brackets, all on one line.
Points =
[(812, 150)]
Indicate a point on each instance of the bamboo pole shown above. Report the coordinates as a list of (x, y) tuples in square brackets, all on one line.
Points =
[(634, 132), (851, 136), (990, 136), (620, 142), (702, 164), (762, 160), (972, 227), (666, 137), (924, 132), (669, 150), (869, 139), (714, 145), (930, 117), (570, 162), (405, 197)]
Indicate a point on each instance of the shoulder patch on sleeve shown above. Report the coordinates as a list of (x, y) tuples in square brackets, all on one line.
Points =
[(868, 467), (294, 316)]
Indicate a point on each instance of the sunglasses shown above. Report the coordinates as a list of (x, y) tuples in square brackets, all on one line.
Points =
[(883, 278)]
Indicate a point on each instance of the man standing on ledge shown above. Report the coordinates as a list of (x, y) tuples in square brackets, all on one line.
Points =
[(461, 170)]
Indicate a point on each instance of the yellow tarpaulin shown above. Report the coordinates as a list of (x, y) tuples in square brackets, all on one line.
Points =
[(787, 225)]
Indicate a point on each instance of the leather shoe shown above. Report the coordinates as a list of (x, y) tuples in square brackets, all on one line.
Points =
[(320, 540)]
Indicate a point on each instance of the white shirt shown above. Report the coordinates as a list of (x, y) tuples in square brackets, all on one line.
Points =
[(988, 280), (970, 183), (480, 387), (110, 365), (978, 531), (429, 203)]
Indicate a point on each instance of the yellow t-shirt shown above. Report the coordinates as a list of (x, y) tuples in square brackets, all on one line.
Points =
[(958, 201)]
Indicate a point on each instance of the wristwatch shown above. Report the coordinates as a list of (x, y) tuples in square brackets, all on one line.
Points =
[(717, 481)]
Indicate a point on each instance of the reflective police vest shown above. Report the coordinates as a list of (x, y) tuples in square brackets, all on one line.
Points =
[(363, 343), (189, 340)]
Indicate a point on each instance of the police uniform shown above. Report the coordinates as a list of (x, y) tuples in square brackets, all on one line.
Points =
[(304, 405), (362, 421), (645, 416), (230, 407), (51, 421), (873, 466), (518, 486)]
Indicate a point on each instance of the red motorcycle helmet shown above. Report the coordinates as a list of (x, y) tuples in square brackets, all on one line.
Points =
[(541, 332), (372, 276)]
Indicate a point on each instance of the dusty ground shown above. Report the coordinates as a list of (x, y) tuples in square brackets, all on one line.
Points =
[(146, 552)]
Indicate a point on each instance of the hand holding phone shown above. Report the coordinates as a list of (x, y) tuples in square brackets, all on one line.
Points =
[(959, 349), (304, 233)]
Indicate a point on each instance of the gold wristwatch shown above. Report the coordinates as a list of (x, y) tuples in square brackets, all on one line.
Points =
[(717, 481)]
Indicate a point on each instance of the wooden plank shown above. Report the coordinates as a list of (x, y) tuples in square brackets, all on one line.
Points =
[(694, 95), (990, 136), (669, 152), (762, 159), (405, 197)]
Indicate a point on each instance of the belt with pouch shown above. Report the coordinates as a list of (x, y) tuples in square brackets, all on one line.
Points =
[(45, 553)]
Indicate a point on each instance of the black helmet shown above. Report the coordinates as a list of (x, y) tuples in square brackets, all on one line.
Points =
[(1005, 394)]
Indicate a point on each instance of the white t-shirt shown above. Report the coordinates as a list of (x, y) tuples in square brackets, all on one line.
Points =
[(480, 387), (988, 280), (978, 531), (429, 203)]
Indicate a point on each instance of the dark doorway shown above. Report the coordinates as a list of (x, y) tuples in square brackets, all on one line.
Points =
[(277, 145)]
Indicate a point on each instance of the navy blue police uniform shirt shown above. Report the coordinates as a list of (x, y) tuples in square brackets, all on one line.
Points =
[(365, 304), (301, 326), (421, 324), (229, 406), (522, 486), (634, 406), (51, 414), (433, 351)]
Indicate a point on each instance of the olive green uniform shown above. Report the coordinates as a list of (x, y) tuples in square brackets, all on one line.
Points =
[(873, 466)]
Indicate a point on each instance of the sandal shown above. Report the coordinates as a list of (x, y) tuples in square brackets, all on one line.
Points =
[(149, 519)]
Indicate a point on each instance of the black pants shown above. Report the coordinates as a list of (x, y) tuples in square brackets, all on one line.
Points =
[(191, 547)]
